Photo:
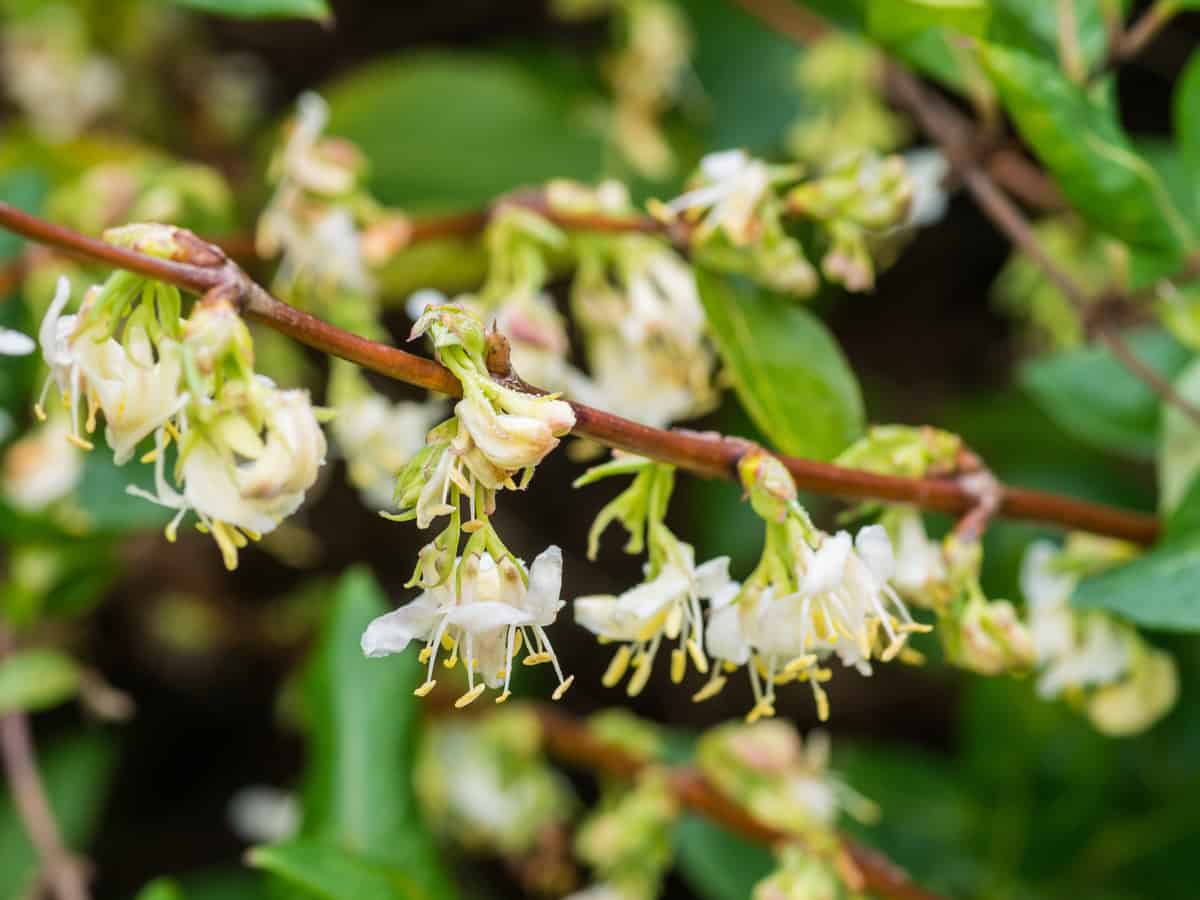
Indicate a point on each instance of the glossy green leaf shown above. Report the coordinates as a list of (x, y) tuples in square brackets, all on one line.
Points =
[(262, 9), (788, 370), (36, 679), (1089, 394), (362, 725), (455, 131), (889, 21), (1179, 449), (1075, 132), (716, 864), (76, 772), (330, 873), (1159, 590)]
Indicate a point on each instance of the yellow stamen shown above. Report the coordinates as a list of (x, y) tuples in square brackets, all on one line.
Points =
[(673, 622), (470, 696), (423, 656), (536, 659), (822, 702), (616, 669), (710, 690), (448, 643), (150, 455), (912, 657), (518, 640), (699, 660), (678, 665), (39, 413), (563, 688), (473, 526), (639, 678), (80, 442), (504, 696), (799, 664), (425, 688)]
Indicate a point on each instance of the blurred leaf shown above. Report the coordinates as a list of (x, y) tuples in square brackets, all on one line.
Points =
[(748, 73), (788, 370), (101, 492), (36, 679), (1159, 590), (717, 864), (1179, 449), (76, 772), (161, 889), (1033, 26), (331, 873), (890, 21), (1092, 396), (447, 131), (1077, 135), (1186, 109), (261, 9), (359, 806), (24, 189)]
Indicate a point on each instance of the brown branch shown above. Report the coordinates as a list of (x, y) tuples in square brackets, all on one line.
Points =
[(570, 741), (1126, 44), (60, 870), (705, 454)]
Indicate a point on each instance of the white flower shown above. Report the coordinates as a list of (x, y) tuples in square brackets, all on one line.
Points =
[(300, 158), (15, 343), (1047, 596), (1100, 654), (919, 560), (734, 186), (1136, 702), (485, 611), (666, 606), (260, 814), (377, 437), (54, 337), (927, 169), (512, 429), (329, 253), (618, 382), (254, 494), (41, 467), (136, 393)]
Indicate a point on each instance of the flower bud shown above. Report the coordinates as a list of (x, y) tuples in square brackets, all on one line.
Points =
[(768, 483), (451, 326), (166, 242), (992, 639), (214, 330)]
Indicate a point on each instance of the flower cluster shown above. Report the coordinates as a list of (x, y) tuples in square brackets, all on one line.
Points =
[(1090, 658), (245, 451), (666, 606), (481, 603)]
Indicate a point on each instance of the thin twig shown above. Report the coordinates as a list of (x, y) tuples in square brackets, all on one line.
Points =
[(702, 453), (60, 870), (1134, 40), (569, 740)]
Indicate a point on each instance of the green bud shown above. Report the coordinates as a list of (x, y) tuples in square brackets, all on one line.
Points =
[(166, 242), (904, 450), (768, 484)]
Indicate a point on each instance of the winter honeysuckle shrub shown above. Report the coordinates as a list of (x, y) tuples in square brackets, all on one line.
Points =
[(666, 606), (487, 785), (1092, 659), (245, 450), (811, 597)]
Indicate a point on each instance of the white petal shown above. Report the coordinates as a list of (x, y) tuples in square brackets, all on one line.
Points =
[(712, 577), (1042, 586), (875, 548), (724, 637), (827, 566), (14, 343), (487, 615), (545, 584), (392, 632), (645, 601)]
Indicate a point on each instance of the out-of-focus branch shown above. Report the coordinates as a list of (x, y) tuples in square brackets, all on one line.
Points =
[(61, 872), (570, 741), (1125, 44), (208, 269)]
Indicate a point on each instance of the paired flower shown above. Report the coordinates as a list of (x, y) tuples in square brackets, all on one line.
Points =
[(483, 612)]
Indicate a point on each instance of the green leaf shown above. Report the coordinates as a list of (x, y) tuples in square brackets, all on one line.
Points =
[(893, 21), (424, 122), (1159, 590), (1033, 26), (334, 874), (788, 370), (1077, 135), (717, 864), (1186, 109), (1179, 449), (36, 679), (1089, 394), (362, 723), (76, 772), (262, 9), (161, 889)]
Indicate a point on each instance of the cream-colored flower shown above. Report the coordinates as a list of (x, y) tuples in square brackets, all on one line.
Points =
[(485, 611), (42, 466), (378, 437), (1138, 701), (733, 186)]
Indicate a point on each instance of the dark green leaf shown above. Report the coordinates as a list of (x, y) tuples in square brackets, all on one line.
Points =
[(1092, 396), (262, 9), (717, 864), (788, 370), (36, 679), (1077, 135), (362, 724), (455, 131), (1179, 449), (1187, 122), (329, 873), (161, 889), (76, 773), (1159, 590)]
